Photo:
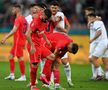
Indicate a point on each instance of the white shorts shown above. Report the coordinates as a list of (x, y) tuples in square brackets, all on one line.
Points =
[(99, 49), (65, 56)]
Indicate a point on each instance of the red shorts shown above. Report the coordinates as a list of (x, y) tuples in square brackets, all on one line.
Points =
[(41, 52), (17, 50)]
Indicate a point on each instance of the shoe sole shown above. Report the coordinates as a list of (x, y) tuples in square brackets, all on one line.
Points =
[(20, 80)]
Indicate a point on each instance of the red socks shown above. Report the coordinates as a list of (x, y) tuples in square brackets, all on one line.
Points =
[(12, 65), (47, 69), (33, 72), (22, 67), (56, 76)]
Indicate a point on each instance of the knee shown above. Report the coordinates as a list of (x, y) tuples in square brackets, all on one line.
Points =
[(64, 61)]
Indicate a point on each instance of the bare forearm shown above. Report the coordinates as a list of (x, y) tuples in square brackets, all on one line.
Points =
[(10, 34), (98, 33), (61, 29), (68, 27)]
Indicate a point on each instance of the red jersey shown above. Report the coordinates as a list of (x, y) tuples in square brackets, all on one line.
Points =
[(19, 36), (65, 19), (59, 40), (50, 27), (37, 26)]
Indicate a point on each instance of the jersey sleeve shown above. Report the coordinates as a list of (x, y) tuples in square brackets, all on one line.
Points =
[(97, 25), (17, 22), (60, 14)]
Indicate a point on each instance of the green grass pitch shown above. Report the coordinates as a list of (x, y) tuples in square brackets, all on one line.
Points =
[(80, 77)]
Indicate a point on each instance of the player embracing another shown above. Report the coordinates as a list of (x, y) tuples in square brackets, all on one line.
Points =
[(57, 24), (90, 10), (35, 49), (98, 45)]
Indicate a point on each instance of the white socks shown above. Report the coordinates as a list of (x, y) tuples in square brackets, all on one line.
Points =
[(93, 71), (42, 62), (106, 75), (99, 71), (67, 70), (51, 79)]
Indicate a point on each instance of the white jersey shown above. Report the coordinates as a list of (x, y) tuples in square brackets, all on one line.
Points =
[(98, 25), (61, 23), (98, 47), (29, 19)]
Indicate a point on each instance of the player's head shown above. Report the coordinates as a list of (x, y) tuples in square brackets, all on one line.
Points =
[(54, 7), (42, 6), (16, 9), (73, 48), (89, 10), (33, 8), (46, 14), (91, 17)]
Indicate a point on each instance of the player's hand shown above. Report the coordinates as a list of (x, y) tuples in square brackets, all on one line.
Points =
[(32, 50), (90, 41), (3, 41)]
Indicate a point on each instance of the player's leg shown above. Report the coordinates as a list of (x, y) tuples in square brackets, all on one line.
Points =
[(19, 54), (105, 62), (98, 52), (34, 60), (45, 76), (57, 75), (12, 68), (94, 74), (91, 50), (67, 69), (22, 69), (33, 74)]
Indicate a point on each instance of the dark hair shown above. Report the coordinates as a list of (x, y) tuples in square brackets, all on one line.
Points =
[(55, 3), (17, 6), (92, 15), (92, 9), (74, 48), (32, 5), (42, 5), (48, 13)]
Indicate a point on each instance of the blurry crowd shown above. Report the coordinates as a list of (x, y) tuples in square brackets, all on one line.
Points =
[(73, 9)]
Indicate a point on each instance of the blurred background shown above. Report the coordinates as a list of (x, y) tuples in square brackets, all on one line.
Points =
[(73, 9)]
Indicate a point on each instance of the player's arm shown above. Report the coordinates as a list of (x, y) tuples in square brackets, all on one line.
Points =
[(61, 29), (46, 39), (98, 33), (28, 36), (55, 52), (9, 34), (57, 20), (67, 24)]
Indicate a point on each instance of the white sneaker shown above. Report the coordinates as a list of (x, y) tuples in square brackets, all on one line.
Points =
[(10, 77), (70, 83), (58, 86), (22, 78)]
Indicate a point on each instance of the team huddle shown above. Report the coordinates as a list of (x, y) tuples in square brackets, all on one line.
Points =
[(44, 33)]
